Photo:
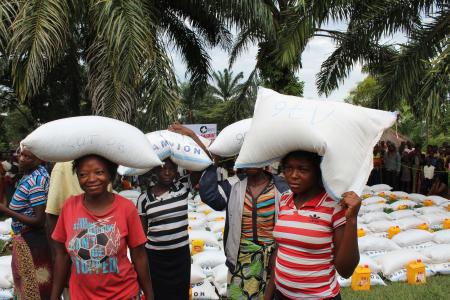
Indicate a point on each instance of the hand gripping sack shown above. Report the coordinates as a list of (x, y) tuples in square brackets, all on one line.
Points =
[(230, 139), (343, 134), (70, 138)]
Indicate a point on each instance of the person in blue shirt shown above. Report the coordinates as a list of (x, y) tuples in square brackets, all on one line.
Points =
[(31, 260)]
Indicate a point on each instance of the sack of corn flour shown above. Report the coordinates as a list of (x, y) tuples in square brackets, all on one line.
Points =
[(70, 138), (343, 134), (230, 139)]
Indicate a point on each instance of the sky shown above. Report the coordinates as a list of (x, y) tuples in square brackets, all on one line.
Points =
[(316, 52), (318, 49)]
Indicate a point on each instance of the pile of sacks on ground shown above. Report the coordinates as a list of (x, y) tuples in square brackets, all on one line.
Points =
[(6, 279), (422, 223), (208, 270)]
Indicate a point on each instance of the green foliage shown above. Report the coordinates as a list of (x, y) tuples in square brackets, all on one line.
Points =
[(118, 47), (364, 93)]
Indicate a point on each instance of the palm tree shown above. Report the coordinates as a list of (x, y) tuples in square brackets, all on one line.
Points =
[(122, 44), (416, 72), (226, 86)]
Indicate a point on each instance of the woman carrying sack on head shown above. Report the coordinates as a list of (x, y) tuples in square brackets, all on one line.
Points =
[(163, 209), (94, 231), (251, 203), (31, 260), (316, 236)]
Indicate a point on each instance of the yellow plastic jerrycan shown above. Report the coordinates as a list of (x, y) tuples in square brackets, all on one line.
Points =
[(416, 272), (427, 202), (393, 230), (392, 197), (448, 207), (197, 246), (361, 232), (361, 278), (423, 226), (446, 224)]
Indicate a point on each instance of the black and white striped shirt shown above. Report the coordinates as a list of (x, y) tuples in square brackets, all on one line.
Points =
[(167, 216)]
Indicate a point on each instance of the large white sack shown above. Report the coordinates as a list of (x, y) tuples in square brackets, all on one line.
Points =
[(373, 200), (375, 216), (367, 260), (5, 228), (437, 200), (429, 210), (442, 236), (197, 224), (396, 260), (185, 152), (443, 269), (197, 274), (208, 260), (418, 198), (373, 208), (401, 214), (70, 138), (420, 247), (435, 220), (380, 188), (203, 291), (342, 133), (409, 223), (400, 195), (215, 216), (208, 238), (412, 237), (220, 274), (6, 281), (372, 243), (402, 204), (230, 139), (381, 226), (438, 253), (132, 195), (181, 149)]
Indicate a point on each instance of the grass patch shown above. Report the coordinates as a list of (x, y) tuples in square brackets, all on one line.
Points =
[(437, 287)]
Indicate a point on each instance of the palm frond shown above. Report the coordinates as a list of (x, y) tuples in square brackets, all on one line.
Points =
[(192, 50), (110, 96), (245, 38), (8, 11), (159, 99), (203, 16), (405, 70), (128, 33), (39, 35), (352, 47)]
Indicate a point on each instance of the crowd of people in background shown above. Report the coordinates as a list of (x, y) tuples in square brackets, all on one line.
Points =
[(410, 169)]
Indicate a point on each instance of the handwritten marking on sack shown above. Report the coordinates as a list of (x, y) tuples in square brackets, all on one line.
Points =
[(240, 137), (91, 139), (312, 114)]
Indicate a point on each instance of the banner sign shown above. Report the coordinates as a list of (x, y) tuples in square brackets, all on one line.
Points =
[(208, 131)]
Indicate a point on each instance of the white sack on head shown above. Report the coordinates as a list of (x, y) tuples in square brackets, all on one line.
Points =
[(342, 133), (230, 139), (185, 152), (70, 138)]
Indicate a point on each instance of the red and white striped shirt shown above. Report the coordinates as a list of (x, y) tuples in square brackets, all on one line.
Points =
[(304, 265)]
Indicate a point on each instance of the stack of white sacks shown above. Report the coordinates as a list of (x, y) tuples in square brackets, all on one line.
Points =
[(422, 235), (208, 270)]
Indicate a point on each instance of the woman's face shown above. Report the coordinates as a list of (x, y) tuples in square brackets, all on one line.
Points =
[(301, 174), (93, 176)]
